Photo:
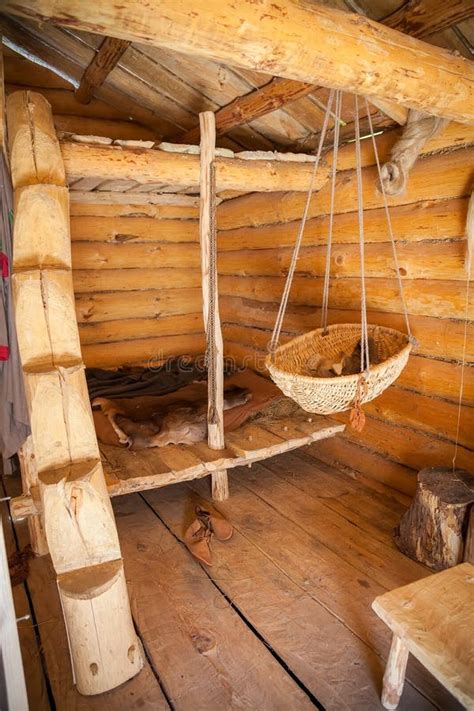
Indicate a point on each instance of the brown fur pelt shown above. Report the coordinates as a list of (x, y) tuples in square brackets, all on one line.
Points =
[(175, 425), (343, 364)]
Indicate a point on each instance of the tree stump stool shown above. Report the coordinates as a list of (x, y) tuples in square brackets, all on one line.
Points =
[(434, 530)]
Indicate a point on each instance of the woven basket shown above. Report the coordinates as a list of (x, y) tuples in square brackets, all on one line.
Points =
[(325, 396)]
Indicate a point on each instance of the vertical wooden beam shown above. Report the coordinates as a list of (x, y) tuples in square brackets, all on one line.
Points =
[(212, 324), (3, 123), (67, 474)]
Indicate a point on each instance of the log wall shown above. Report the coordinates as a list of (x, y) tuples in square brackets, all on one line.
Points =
[(137, 282), (413, 424)]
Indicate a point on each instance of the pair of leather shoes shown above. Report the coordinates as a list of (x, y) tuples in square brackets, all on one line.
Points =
[(199, 534)]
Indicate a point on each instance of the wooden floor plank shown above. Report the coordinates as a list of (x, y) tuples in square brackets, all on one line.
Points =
[(206, 656), (381, 561), (343, 589), (30, 652), (338, 667)]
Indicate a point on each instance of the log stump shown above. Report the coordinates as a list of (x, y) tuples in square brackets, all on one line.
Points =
[(434, 529)]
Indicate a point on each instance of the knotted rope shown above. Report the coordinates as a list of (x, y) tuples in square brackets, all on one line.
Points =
[(418, 130)]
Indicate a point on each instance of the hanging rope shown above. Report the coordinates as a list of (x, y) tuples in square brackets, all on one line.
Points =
[(291, 271), (389, 226), (327, 271), (364, 340)]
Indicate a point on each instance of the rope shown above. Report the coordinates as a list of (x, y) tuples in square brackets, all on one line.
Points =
[(390, 228), (211, 315), (463, 367), (364, 351), (289, 279), (327, 271)]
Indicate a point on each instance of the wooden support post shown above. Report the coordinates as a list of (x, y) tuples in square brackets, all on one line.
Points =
[(210, 297), (394, 677), (61, 462)]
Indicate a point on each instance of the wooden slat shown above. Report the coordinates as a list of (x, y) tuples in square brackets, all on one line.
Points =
[(327, 34), (108, 55), (136, 229), (93, 255), (140, 328)]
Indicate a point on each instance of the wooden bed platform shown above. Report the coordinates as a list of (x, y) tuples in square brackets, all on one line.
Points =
[(127, 470), (283, 618)]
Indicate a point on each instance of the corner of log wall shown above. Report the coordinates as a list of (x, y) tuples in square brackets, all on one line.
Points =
[(61, 459)]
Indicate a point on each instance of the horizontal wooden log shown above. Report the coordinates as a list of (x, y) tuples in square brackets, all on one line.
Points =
[(151, 352), (140, 328), (95, 280), (89, 207), (100, 255), (445, 299), (133, 229), (406, 445), (46, 320), (182, 170), (421, 260), (436, 177), (431, 219), (342, 50), (454, 135), (140, 200), (151, 303), (438, 338), (424, 375), (50, 246), (358, 459), (62, 394)]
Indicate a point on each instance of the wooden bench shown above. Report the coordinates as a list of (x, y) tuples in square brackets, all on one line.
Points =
[(433, 619)]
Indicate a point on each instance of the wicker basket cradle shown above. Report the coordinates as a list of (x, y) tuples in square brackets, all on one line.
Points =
[(288, 366)]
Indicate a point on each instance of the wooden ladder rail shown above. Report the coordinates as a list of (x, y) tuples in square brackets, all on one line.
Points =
[(62, 465), (210, 296)]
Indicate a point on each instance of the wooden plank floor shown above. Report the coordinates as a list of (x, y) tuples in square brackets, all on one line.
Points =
[(282, 620)]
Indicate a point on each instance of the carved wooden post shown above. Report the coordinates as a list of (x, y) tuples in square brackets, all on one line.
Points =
[(67, 472), (212, 323)]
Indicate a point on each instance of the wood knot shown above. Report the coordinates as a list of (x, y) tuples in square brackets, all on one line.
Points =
[(94, 669), (203, 640)]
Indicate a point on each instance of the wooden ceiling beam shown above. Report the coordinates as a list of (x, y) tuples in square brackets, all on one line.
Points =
[(246, 108), (106, 58), (341, 50), (415, 17), (420, 18)]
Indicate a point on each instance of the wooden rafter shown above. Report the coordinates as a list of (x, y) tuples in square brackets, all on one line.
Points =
[(420, 18), (261, 101), (109, 53)]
